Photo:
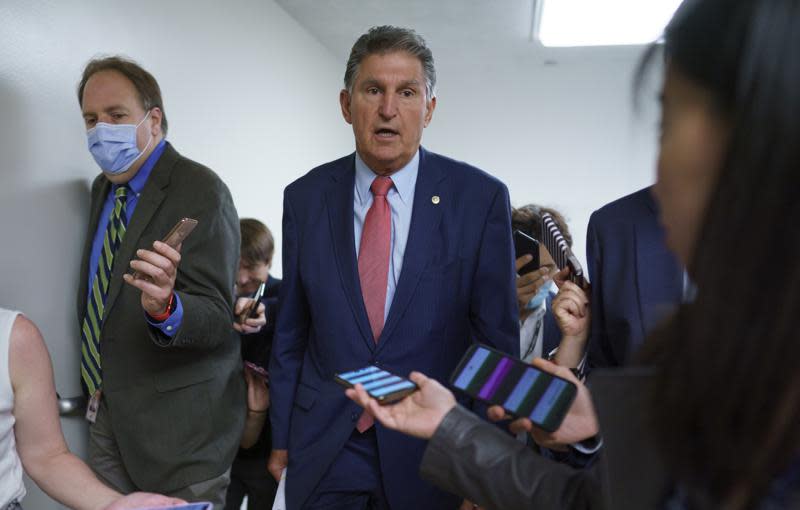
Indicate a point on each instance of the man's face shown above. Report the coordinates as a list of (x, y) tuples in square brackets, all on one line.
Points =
[(111, 98), (388, 108), (250, 277)]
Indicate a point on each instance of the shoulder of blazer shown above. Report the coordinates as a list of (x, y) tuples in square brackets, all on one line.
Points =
[(628, 209), (323, 175), (464, 174), (174, 169)]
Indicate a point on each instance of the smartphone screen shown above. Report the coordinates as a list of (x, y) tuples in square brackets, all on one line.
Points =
[(188, 506), (381, 385), (526, 245), (523, 390)]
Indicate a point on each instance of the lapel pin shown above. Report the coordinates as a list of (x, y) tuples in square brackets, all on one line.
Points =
[(435, 199)]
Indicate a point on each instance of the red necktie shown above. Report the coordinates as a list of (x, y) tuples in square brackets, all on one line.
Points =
[(373, 265)]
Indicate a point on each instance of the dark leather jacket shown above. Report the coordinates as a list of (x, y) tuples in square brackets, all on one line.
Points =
[(469, 457)]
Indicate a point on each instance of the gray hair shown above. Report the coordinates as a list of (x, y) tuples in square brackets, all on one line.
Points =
[(388, 39)]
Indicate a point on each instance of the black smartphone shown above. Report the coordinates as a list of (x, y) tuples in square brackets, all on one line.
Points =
[(383, 386), (526, 245), (562, 254), (251, 311), (522, 390)]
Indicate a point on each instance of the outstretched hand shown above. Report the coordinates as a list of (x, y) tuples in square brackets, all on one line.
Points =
[(418, 415), (143, 500)]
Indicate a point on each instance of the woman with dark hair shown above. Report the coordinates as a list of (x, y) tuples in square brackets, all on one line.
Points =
[(725, 402)]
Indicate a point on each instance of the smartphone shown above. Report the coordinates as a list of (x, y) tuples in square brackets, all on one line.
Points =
[(174, 237), (522, 390), (381, 385), (526, 245), (562, 254), (189, 506), (260, 371), (251, 310)]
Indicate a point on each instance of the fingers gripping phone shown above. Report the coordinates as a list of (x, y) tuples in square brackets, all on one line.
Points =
[(526, 245), (562, 254), (251, 310), (381, 385), (522, 390), (174, 238)]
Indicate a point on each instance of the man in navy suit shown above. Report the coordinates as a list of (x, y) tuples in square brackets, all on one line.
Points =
[(636, 281), (393, 256)]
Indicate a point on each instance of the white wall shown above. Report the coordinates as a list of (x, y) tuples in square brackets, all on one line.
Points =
[(564, 135), (247, 92)]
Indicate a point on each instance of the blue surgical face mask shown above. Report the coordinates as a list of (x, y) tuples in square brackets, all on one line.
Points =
[(113, 146), (537, 300)]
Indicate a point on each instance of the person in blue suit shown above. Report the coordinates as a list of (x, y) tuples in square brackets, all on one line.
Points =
[(394, 256), (636, 281)]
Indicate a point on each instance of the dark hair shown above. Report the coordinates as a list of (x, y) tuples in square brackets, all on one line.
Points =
[(144, 82), (528, 219), (258, 245), (388, 39), (726, 406)]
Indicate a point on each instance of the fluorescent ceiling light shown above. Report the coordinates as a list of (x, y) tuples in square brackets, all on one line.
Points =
[(601, 22)]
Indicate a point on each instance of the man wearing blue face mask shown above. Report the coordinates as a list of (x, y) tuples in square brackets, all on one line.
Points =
[(159, 360)]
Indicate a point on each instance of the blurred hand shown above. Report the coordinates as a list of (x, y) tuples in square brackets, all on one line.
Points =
[(143, 500), (469, 505), (278, 461), (251, 325), (579, 424), (158, 270), (418, 415), (257, 391)]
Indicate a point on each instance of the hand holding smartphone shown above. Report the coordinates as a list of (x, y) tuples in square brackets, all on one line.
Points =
[(259, 371), (526, 245), (173, 239), (522, 390), (562, 254), (381, 385), (251, 311)]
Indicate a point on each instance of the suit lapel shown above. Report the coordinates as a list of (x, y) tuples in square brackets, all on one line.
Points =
[(99, 193), (659, 277), (425, 219), (149, 200), (339, 199)]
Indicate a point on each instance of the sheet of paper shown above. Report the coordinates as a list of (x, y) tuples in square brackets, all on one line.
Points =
[(280, 497)]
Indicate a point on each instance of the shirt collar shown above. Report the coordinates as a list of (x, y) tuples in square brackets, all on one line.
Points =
[(404, 179), (140, 179)]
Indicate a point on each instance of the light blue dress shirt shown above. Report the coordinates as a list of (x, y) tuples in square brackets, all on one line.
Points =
[(401, 203), (170, 326)]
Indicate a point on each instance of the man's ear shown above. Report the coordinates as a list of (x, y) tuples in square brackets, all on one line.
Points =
[(156, 116), (344, 102), (429, 110)]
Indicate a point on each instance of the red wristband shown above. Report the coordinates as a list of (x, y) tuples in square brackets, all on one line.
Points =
[(164, 315)]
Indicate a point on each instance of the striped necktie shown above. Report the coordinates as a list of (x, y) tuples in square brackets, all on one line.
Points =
[(91, 372)]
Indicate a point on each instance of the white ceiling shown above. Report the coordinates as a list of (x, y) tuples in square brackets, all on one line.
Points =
[(456, 30)]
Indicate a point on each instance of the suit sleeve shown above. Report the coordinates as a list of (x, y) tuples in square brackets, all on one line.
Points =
[(598, 337), (206, 273), (471, 458), (494, 315), (291, 334)]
